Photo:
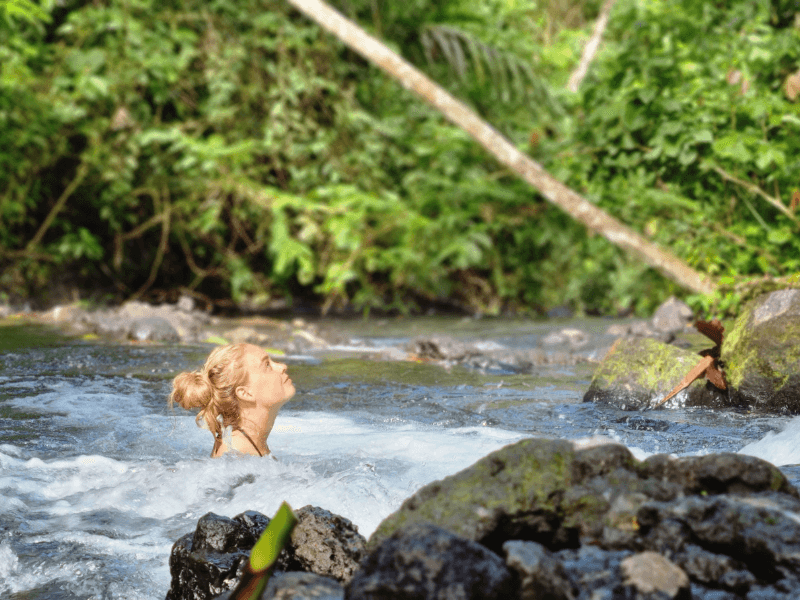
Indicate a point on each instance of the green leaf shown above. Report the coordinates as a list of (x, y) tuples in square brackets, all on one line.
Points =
[(264, 554)]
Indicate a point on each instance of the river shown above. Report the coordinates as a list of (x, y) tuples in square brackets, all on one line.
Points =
[(99, 478)]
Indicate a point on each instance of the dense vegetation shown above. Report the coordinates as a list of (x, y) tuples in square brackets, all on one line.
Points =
[(232, 149)]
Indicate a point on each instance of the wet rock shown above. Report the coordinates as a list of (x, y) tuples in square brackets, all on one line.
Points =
[(245, 334), (573, 338), (673, 316), (487, 502), (639, 329), (152, 329), (638, 372), (762, 353), (325, 544), (761, 531), (298, 586), (210, 560), (722, 473), (540, 574), (425, 561), (593, 572)]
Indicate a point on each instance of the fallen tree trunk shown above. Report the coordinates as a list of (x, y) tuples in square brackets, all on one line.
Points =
[(502, 149)]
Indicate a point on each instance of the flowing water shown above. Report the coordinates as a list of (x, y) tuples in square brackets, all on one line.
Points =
[(98, 478)]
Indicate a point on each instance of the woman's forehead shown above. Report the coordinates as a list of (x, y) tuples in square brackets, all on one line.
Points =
[(257, 354)]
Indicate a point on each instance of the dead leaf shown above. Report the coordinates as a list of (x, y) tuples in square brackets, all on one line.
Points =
[(716, 376), (711, 329), (792, 86), (696, 373), (795, 200)]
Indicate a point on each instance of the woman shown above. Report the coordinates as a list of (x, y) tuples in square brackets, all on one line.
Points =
[(239, 392)]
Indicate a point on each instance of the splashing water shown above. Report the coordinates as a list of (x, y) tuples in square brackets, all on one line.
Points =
[(99, 479)]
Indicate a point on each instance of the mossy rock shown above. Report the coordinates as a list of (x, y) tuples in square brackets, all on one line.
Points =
[(761, 353), (564, 494), (637, 373), (477, 501)]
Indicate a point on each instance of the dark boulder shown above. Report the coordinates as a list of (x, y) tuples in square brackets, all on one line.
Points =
[(541, 575), (325, 544), (210, 561), (422, 561)]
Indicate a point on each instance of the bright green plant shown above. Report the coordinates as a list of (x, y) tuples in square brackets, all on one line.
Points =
[(264, 554)]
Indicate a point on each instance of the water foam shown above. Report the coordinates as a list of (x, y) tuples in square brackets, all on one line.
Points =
[(782, 448)]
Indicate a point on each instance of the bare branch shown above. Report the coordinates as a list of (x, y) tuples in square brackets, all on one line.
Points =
[(591, 47), (502, 149)]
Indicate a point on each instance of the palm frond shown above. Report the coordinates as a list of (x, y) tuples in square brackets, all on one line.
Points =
[(511, 78)]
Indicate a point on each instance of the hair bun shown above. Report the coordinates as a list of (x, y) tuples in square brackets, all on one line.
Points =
[(191, 390)]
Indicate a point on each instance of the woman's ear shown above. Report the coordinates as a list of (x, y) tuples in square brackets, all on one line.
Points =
[(243, 393)]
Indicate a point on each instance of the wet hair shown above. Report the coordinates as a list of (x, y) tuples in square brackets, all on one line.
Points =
[(213, 389)]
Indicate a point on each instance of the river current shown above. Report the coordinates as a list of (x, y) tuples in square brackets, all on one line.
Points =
[(98, 478)]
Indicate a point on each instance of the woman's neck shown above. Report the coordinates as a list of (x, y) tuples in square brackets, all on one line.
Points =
[(257, 422)]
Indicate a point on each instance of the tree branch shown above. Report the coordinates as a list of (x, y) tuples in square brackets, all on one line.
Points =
[(80, 174), (591, 47), (503, 150), (750, 187)]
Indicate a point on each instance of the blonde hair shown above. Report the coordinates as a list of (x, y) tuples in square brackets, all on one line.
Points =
[(213, 389)]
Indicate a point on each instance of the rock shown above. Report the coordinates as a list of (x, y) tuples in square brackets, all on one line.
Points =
[(762, 353), (425, 561), (245, 334), (638, 372), (593, 572), (186, 304), (325, 544), (761, 531), (650, 575), (510, 494), (209, 561), (152, 329), (298, 586), (673, 316), (541, 575), (573, 338), (562, 495)]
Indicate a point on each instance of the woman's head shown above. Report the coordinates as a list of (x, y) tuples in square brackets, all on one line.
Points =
[(213, 388), (234, 377)]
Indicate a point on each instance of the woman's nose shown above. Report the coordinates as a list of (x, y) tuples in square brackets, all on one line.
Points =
[(281, 367)]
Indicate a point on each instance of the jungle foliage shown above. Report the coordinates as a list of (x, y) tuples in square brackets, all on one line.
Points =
[(233, 150)]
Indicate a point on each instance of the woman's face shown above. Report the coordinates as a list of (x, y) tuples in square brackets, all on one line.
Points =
[(267, 380)]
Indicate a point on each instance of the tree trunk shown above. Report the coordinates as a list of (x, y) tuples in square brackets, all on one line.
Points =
[(505, 152)]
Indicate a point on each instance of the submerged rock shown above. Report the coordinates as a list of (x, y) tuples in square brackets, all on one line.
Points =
[(762, 353), (638, 372)]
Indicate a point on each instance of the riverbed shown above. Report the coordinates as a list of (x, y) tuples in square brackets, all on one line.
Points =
[(99, 477)]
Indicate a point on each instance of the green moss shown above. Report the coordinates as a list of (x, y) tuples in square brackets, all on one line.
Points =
[(513, 480), (770, 352), (645, 366)]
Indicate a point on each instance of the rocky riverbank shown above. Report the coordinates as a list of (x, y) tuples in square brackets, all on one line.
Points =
[(185, 322), (537, 519)]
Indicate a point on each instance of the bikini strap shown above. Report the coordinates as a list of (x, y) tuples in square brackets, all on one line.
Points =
[(249, 439)]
